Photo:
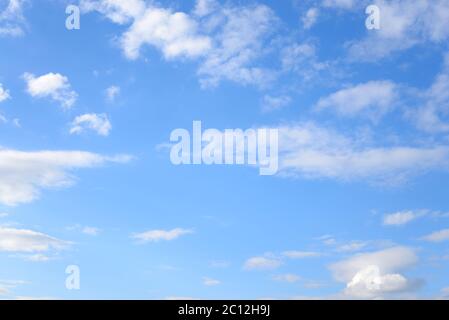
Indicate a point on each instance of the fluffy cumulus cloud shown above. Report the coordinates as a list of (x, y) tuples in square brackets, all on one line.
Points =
[(11, 18), (4, 94), (174, 33), (376, 274), (373, 98), (28, 241), (160, 235), (91, 121), (224, 39), (24, 174), (370, 283), (311, 151), (51, 85)]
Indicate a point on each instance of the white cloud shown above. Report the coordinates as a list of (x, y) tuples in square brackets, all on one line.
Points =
[(262, 263), (388, 261), (226, 40), (310, 18), (158, 235), (301, 254), (174, 33), (53, 85), (403, 24), (205, 7), (24, 174), (291, 278), (7, 285), (96, 122), (369, 283), (273, 103), (310, 151), (92, 231), (438, 236), (211, 282), (402, 217), (431, 117), (240, 37), (22, 240), (4, 94), (11, 18), (352, 246), (118, 11), (345, 4), (374, 98), (39, 257), (112, 93)]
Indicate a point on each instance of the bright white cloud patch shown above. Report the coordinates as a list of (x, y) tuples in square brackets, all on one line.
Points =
[(374, 98), (24, 174), (4, 94), (376, 274), (370, 283), (11, 18), (388, 261), (262, 263), (91, 121), (310, 151), (401, 218), (51, 85), (22, 240), (160, 235), (174, 33), (438, 236)]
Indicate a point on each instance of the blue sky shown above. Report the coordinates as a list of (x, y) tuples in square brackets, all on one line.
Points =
[(358, 208)]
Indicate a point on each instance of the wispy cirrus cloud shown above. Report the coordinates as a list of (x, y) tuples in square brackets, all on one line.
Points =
[(29, 241), (160, 235), (311, 151), (437, 236)]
